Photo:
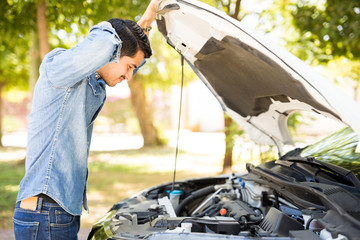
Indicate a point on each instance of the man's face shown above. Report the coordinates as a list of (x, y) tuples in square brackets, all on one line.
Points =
[(114, 73)]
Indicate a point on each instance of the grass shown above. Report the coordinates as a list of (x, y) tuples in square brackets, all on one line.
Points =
[(113, 176), (11, 172)]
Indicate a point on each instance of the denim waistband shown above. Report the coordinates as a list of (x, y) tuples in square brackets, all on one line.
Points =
[(42, 205), (46, 198)]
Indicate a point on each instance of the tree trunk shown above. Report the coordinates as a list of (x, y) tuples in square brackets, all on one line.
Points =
[(229, 145), (42, 29), (35, 61), (237, 10), (143, 113)]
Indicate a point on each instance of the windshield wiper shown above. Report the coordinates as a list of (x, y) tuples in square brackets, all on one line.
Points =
[(342, 172)]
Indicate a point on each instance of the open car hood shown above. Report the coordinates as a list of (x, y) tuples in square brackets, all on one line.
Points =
[(302, 196), (257, 83)]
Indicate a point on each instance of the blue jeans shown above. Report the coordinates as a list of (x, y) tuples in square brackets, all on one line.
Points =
[(48, 221)]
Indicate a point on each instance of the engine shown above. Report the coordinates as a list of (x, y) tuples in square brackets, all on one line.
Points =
[(242, 207)]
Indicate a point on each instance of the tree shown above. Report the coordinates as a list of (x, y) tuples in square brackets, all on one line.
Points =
[(143, 113), (42, 27), (12, 73), (107, 9), (14, 45), (39, 22), (332, 29), (154, 75)]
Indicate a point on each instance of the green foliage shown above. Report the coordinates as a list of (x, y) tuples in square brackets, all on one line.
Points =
[(293, 122), (72, 18), (73, 14), (14, 44), (332, 27), (14, 70), (11, 173), (163, 69), (17, 17), (68, 22), (268, 154)]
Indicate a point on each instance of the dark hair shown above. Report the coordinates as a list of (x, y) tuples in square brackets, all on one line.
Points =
[(132, 36)]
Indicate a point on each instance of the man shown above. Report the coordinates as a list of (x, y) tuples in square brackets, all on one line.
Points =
[(68, 96)]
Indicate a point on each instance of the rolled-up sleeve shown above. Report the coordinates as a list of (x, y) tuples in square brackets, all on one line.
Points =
[(66, 67)]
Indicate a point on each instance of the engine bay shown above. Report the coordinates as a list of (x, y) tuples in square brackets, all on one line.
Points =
[(245, 206)]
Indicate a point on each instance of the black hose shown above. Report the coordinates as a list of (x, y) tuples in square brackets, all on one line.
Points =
[(308, 223), (194, 195), (207, 210)]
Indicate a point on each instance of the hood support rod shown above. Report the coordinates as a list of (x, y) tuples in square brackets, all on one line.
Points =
[(178, 130)]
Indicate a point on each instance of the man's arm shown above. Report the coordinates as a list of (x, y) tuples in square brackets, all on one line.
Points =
[(66, 67), (148, 16), (145, 23)]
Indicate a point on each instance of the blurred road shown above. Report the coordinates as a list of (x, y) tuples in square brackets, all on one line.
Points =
[(100, 142), (194, 142)]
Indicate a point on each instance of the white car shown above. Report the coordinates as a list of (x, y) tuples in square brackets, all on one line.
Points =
[(301, 195)]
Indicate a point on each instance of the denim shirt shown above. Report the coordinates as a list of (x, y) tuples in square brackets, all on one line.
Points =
[(67, 99)]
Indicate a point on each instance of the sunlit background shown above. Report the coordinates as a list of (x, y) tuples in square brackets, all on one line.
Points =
[(124, 157)]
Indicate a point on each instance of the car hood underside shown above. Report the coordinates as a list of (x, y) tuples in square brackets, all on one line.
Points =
[(256, 82)]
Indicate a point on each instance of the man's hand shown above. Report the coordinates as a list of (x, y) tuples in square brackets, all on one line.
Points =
[(148, 16)]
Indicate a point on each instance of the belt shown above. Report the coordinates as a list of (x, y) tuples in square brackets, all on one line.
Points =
[(31, 203)]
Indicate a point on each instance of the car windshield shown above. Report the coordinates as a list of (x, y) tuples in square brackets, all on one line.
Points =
[(338, 149)]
